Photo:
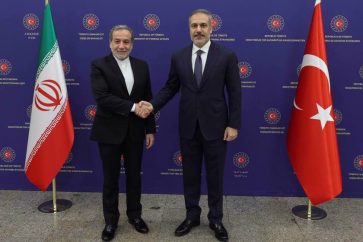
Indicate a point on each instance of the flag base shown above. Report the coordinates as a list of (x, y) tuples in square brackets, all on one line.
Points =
[(47, 207), (302, 211)]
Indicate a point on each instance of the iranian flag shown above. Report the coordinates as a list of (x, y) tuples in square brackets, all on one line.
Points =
[(51, 131), (312, 140)]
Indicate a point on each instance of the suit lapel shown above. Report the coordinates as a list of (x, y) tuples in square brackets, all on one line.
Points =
[(135, 73), (116, 69)]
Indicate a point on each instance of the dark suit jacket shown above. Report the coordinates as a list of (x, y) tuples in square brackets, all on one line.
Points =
[(113, 120), (206, 104)]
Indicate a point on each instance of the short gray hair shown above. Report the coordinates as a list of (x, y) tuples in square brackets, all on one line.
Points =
[(121, 27), (202, 10)]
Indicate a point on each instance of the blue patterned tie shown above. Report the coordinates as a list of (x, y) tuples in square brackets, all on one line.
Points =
[(198, 71)]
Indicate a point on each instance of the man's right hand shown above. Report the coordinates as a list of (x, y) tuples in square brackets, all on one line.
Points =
[(143, 109)]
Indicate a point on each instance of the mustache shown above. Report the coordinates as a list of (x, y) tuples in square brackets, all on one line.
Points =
[(199, 35)]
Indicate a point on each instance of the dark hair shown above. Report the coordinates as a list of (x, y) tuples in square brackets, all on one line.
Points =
[(120, 27), (201, 10)]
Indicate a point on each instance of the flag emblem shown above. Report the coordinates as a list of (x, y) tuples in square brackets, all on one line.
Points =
[(90, 112), (31, 21), (361, 72), (339, 23), (7, 154), (5, 67), (298, 69), (241, 160), (157, 115), (66, 67), (216, 22), (91, 21), (151, 22), (177, 157), (69, 159), (338, 116), (275, 23), (272, 116), (48, 95), (358, 162), (29, 111), (245, 69)]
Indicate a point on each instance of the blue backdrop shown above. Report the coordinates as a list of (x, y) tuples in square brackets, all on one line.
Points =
[(268, 38)]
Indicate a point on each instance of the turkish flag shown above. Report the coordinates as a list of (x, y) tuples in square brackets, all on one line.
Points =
[(312, 141)]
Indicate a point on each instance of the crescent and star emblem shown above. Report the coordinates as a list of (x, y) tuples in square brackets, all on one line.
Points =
[(323, 114)]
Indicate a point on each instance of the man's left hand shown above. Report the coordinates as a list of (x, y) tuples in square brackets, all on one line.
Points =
[(230, 134), (149, 141)]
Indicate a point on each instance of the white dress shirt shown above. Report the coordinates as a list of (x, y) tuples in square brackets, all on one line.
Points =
[(125, 67), (204, 55)]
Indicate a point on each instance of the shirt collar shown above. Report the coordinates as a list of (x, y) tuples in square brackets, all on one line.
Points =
[(204, 48), (124, 62)]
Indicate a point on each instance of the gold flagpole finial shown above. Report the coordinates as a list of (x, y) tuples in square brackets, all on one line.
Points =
[(46, 2)]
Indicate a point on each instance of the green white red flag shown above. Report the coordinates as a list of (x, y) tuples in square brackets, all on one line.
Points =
[(51, 131)]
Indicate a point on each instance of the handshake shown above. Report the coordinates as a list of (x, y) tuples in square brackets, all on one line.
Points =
[(143, 109)]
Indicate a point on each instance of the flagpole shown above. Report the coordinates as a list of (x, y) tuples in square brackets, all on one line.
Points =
[(309, 212), (54, 196), (55, 205)]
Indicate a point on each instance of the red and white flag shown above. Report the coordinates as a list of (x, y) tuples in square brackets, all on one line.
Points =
[(312, 141), (51, 131)]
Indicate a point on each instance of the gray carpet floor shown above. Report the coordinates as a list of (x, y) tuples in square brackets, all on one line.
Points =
[(246, 219)]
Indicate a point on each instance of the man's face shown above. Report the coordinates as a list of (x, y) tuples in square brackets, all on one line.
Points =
[(200, 29), (121, 44)]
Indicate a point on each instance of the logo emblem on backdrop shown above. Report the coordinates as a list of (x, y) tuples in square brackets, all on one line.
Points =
[(275, 23), (298, 69), (66, 67), (90, 112), (48, 95), (31, 21), (5, 67), (338, 116), (7, 154), (157, 115), (272, 116), (241, 159), (245, 69), (69, 158), (358, 162), (151, 22), (339, 23), (29, 111), (91, 21), (216, 22), (361, 72), (177, 157)]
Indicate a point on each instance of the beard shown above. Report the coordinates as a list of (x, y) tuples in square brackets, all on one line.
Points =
[(120, 55)]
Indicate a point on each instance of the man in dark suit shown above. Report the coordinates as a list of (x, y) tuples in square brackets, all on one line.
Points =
[(119, 82), (202, 72)]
